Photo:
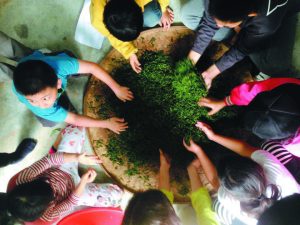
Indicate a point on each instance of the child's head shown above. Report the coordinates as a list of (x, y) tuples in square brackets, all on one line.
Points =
[(150, 208), (38, 82), (283, 212), (123, 19), (231, 13), (28, 202), (244, 180), (274, 114)]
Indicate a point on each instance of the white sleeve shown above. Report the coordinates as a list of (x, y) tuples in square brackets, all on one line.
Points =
[(276, 173)]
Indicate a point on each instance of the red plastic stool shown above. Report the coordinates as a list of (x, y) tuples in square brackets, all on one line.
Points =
[(94, 216)]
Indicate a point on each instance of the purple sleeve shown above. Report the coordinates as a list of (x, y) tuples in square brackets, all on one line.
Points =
[(231, 57), (206, 30)]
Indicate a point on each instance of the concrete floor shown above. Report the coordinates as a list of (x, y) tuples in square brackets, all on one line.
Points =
[(50, 24)]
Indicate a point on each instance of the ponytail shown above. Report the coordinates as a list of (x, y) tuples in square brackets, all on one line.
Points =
[(244, 180), (255, 207)]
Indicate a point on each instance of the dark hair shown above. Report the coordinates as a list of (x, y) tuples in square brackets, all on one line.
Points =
[(123, 19), (274, 114), (151, 207), (233, 10), (28, 201), (283, 212), (244, 180), (33, 76), (5, 217)]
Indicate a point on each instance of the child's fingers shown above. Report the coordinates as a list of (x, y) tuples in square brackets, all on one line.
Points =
[(204, 100), (170, 11), (211, 112), (201, 126), (204, 103), (192, 142), (119, 119), (129, 96), (120, 129), (185, 144), (93, 173), (123, 125), (161, 155), (95, 159), (138, 69)]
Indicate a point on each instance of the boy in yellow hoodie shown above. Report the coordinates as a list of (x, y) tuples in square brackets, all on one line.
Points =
[(122, 21)]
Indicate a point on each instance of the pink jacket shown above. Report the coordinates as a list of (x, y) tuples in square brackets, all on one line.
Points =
[(245, 93)]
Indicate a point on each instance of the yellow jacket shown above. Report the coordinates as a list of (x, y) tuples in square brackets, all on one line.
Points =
[(96, 11)]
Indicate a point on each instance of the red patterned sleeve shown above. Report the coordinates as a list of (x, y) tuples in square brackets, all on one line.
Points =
[(61, 209), (31, 172)]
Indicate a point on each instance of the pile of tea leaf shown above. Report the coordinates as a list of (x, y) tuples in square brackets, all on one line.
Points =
[(163, 112)]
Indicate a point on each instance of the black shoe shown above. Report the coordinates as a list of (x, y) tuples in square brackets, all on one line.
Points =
[(24, 148)]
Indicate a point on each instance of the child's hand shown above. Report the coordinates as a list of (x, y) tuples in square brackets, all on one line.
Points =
[(164, 161), (85, 159), (193, 147), (195, 163), (124, 94), (210, 74), (89, 176), (135, 64), (167, 19), (206, 129), (214, 104), (116, 125)]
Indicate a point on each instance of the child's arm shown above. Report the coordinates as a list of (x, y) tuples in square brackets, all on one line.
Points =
[(238, 146), (31, 172), (245, 93), (68, 204), (57, 159), (86, 178), (82, 158), (208, 167), (194, 56), (114, 124), (200, 199), (164, 174), (194, 177), (123, 93)]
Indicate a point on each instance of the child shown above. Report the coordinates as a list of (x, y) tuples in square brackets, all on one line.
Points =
[(243, 94), (122, 21), (253, 182), (40, 80), (255, 22), (283, 212), (155, 207), (273, 109), (51, 187)]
